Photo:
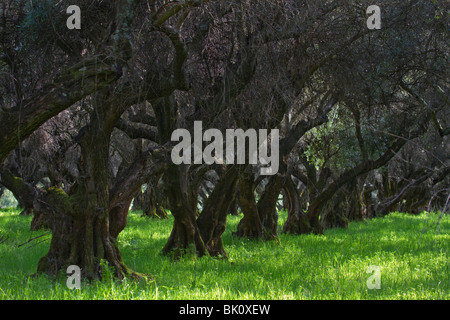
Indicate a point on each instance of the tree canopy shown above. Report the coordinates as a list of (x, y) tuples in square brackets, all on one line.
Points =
[(87, 116)]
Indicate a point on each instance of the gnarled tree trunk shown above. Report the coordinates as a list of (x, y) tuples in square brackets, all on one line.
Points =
[(155, 204), (185, 236), (267, 206), (296, 222), (80, 223), (250, 225), (213, 219)]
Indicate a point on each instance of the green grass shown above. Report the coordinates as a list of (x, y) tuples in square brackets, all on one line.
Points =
[(414, 264)]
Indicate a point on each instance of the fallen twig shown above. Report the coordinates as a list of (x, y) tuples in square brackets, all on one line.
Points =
[(32, 239), (3, 239)]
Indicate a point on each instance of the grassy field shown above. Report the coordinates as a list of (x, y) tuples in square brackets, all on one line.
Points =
[(412, 257)]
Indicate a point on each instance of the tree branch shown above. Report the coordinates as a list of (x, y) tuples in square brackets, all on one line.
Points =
[(70, 86), (137, 132)]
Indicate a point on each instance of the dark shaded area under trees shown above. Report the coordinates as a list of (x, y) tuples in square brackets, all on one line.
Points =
[(86, 117)]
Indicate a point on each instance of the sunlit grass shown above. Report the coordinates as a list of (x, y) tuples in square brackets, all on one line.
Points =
[(412, 257)]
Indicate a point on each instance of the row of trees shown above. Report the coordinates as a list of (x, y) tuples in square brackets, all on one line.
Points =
[(87, 115)]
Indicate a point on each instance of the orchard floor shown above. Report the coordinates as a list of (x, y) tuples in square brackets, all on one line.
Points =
[(411, 256)]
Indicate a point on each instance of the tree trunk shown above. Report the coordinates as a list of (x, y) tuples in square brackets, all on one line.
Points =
[(24, 192), (319, 202), (127, 184), (118, 218), (339, 208), (367, 202), (213, 219), (138, 201), (296, 222), (234, 207), (155, 204), (354, 207), (149, 202), (195, 177), (80, 223), (81, 240), (250, 225), (80, 227), (267, 206), (185, 236)]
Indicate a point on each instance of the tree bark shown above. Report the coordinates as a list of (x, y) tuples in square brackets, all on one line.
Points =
[(24, 192), (267, 206), (213, 219), (148, 164), (185, 236), (296, 222), (138, 200), (79, 238), (81, 225), (250, 225), (149, 202), (155, 204)]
